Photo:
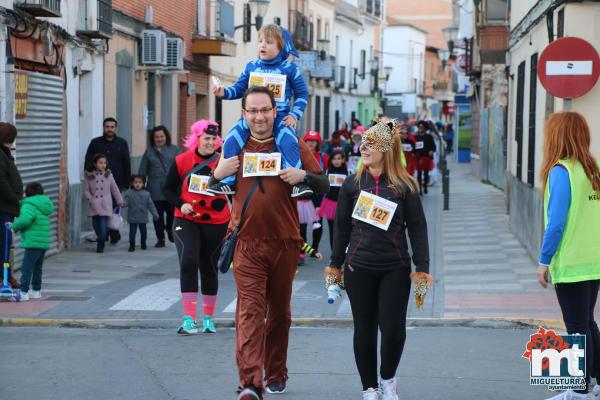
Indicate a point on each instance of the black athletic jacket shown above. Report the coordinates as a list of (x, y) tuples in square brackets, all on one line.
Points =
[(365, 246)]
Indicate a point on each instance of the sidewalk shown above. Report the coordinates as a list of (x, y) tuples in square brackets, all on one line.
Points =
[(487, 273), (481, 272)]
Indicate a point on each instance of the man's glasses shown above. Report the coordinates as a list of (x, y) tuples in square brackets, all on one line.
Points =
[(254, 112)]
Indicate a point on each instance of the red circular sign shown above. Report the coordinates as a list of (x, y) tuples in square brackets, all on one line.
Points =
[(569, 67)]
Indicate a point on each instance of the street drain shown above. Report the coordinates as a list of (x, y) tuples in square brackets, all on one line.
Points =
[(67, 298)]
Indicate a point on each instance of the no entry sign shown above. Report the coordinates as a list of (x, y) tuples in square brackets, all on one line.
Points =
[(569, 67)]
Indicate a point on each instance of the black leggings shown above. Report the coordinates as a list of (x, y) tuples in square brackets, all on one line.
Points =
[(423, 178), (316, 234), (165, 211), (198, 247), (577, 301), (379, 300), (330, 224)]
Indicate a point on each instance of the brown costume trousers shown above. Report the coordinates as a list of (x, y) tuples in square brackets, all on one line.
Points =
[(263, 272)]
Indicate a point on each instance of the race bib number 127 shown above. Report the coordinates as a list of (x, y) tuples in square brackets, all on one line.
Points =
[(374, 210)]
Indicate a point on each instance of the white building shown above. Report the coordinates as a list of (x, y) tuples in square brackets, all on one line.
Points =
[(404, 51)]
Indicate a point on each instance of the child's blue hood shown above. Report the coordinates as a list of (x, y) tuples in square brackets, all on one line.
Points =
[(288, 49)]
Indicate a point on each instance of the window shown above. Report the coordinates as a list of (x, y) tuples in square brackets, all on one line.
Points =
[(496, 11), (317, 122), (560, 29), (363, 63), (326, 107), (519, 117), (532, 109)]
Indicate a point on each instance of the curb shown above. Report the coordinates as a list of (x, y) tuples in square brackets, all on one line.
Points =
[(168, 323)]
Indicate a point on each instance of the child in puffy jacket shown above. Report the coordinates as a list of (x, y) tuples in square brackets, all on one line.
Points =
[(34, 224), (100, 188), (139, 204)]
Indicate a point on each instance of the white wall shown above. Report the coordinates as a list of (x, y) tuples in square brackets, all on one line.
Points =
[(581, 20), (519, 9)]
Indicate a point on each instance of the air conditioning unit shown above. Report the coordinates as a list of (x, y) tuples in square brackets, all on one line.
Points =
[(40, 8), (154, 47), (175, 49), (96, 19)]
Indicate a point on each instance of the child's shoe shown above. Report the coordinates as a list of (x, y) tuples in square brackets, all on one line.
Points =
[(131, 248), (24, 296), (221, 188), (302, 191), (100, 247), (35, 294), (208, 324), (301, 260), (188, 327), (143, 246)]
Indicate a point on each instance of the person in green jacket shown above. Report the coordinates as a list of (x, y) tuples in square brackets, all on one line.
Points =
[(34, 224)]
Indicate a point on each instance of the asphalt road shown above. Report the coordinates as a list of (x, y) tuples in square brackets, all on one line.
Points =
[(450, 363)]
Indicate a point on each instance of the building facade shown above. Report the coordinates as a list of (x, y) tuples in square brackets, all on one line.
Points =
[(530, 104)]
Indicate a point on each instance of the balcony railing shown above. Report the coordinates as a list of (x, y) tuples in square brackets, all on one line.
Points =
[(40, 8), (302, 30)]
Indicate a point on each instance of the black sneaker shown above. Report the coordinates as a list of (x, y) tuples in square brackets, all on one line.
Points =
[(100, 247), (221, 188), (170, 236), (143, 246), (131, 248), (276, 387), (302, 191), (249, 393)]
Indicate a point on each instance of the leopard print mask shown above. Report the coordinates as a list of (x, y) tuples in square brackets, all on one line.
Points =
[(378, 137)]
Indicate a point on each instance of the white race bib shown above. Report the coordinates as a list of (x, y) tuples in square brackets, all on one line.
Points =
[(199, 184), (419, 145), (374, 210), (261, 164), (275, 83), (407, 147), (336, 180)]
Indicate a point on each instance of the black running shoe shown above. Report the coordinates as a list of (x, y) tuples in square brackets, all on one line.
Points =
[(221, 188), (302, 191), (249, 393), (276, 387)]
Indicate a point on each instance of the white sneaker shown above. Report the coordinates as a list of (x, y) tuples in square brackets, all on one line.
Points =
[(596, 393), (388, 389), (24, 296), (371, 394), (569, 395), (35, 294)]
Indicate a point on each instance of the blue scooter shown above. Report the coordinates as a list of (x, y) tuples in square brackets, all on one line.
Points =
[(6, 291)]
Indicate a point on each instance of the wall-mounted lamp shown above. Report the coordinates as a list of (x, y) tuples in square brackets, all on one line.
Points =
[(450, 35), (259, 9)]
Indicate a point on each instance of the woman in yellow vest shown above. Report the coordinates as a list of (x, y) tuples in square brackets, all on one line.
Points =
[(571, 246)]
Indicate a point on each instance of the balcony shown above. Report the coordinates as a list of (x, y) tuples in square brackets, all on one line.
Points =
[(95, 20), (345, 11), (213, 46), (302, 30), (40, 8), (372, 9), (493, 44)]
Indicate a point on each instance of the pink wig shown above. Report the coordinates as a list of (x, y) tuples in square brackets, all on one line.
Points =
[(198, 129)]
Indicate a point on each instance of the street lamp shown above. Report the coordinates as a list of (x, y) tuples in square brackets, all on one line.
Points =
[(259, 9), (444, 55), (450, 35), (322, 45), (387, 71)]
